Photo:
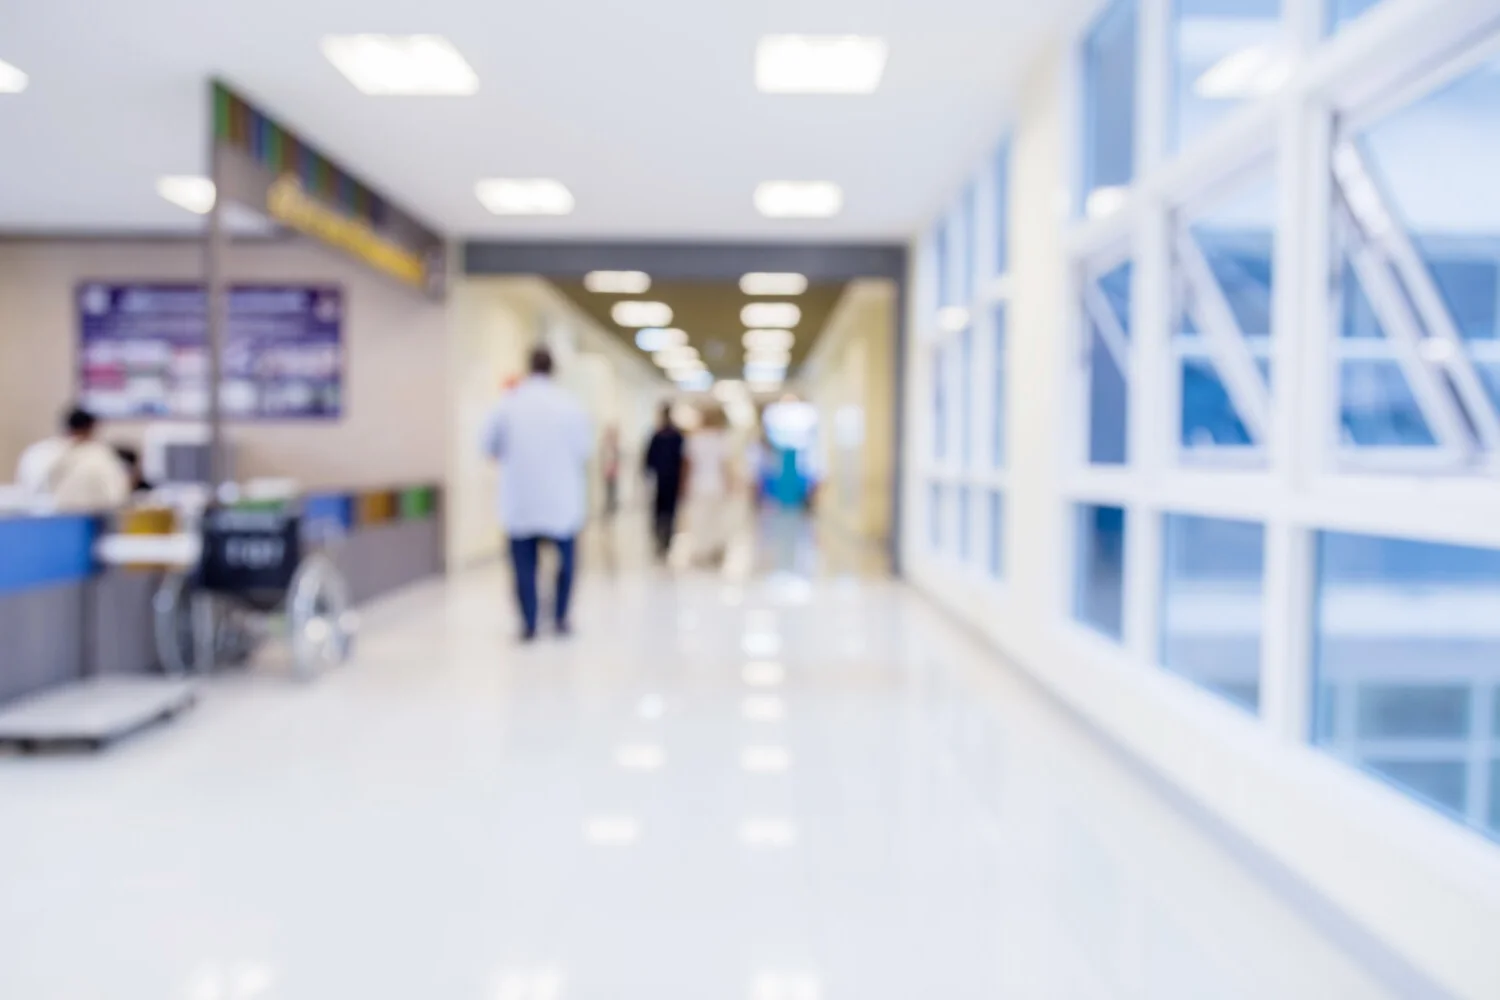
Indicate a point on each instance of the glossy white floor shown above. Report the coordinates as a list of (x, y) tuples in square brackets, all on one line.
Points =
[(797, 786)]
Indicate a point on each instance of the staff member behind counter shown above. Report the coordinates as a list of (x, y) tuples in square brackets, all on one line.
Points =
[(75, 471)]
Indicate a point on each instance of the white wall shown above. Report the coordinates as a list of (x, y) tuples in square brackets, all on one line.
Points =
[(394, 423), (1425, 886)]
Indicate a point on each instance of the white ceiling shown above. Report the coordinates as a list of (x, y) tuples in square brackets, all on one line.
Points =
[(646, 109)]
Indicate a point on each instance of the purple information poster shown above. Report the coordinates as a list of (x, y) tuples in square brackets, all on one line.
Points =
[(143, 352)]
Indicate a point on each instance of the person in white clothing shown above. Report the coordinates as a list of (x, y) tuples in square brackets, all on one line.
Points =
[(75, 471), (711, 485), (541, 437)]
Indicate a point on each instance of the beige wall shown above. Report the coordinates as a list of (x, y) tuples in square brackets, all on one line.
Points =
[(849, 377), (395, 419)]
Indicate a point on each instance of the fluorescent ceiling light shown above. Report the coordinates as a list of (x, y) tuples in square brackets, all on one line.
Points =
[(952, 319), (669, 356), (12, 80), (799, 199), (655, 338), (781, 315), (730, 389), (617, 282), (695, 382), (765, 759), (524, 196), (640, 757), (763, 708), (764, 372), (758, 833), (819, 64), (1104, 201), (401, 65), (763, 673), (1254, 71), (196, 194), (642, 314), (772, 283), (773, 339), (785, 986), (543, 984), (768, 356), (612, 831)]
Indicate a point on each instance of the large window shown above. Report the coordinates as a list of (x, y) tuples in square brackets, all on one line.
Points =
[(1408, 668), (1222, 284), (995, 562), (1225, 52), (1106, 310), (1099, 577), (1109, 104), (1341, 12), (1417, 263), (939, 404), (965, 376), (1213, 572)]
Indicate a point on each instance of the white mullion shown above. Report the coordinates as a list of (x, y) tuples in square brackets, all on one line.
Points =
[(1401, 329), (1153, 90), (1226, 341)]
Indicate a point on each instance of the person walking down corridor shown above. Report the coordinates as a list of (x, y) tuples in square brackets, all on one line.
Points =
[(664, 463), (711, 488), (541, 437)]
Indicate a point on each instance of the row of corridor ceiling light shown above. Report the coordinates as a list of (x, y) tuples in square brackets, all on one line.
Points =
[(767, 341), (431, 66)]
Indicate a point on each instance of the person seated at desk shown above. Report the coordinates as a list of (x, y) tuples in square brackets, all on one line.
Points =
[(76, 471)]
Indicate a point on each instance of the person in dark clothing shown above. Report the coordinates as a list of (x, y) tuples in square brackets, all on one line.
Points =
[(132, 460), (664, 462)]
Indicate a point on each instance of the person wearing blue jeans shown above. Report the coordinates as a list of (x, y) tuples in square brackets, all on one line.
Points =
[(524, 556), (540, 435)]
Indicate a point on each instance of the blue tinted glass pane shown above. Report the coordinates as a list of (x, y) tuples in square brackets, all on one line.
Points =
[(1341, 12), (939, 404), (1224, 52), (997, 388), (940, 262), (1213, 575), (1358, 320), (1099, 584), (997, 534), (1467, 283), (965, 395), (1116, 288), (1241, 261), (1002, 208), (935, 517), (1108, 403), (1407, 648), (1109, 125), (1377, 408), (1209, 419), (971, 264), (963, 522)]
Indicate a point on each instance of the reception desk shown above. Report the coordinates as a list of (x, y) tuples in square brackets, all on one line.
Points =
[(53, 594)]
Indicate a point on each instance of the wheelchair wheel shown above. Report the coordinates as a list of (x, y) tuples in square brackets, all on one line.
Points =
[(320, 619)]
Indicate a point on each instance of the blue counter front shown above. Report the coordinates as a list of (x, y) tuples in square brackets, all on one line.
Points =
[(45, 551)]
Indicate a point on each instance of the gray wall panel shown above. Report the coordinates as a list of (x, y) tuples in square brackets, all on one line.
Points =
[(41, 634)]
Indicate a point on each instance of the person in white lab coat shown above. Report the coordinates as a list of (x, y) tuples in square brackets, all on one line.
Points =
[(712, 488), (542, 438), (77, 472)]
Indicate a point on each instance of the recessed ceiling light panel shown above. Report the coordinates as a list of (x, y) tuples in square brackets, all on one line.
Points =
[(617, 282), (12, 80), (767, 357), (524, 196), (656, 338), (636, 313), (770, 340), (196, 194), (771, 283), (799, 199), (780, 315), (401, 65), (819, 64)]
